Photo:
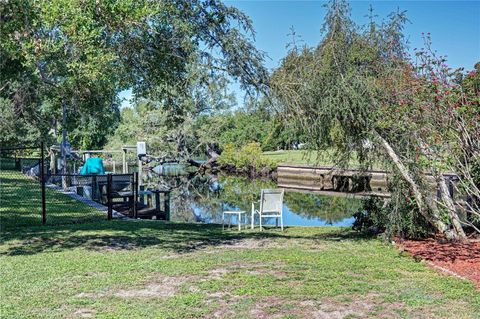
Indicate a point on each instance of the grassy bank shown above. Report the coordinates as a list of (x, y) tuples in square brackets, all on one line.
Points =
[(305, 157), (122, 269), (294, 157), (20, 204)]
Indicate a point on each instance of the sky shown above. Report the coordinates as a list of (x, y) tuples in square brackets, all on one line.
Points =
[(454, 26)]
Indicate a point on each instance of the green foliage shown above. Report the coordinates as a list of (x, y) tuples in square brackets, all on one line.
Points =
[(328, 91), (187, 134), (371, 217), (243, 127), (19, 125), (82, 54), (471, 82), (358, 92), (181, 128), (250, 155), (256, 122), (229, 155), (248, 158), (395, 217)]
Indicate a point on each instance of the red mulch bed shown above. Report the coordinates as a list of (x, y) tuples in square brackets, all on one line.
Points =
[(462, 259)]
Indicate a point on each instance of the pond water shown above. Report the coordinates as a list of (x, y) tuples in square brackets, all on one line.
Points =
[(203, 198)]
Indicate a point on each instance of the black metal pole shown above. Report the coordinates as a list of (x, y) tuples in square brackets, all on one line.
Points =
[(135, 194), (167, 205), (94, 187), (157, 201), (109, 196), (42, 183)]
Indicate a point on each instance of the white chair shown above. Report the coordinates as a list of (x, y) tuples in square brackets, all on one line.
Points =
[(271, 206)]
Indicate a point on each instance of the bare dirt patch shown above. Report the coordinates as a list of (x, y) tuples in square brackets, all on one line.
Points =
[(272, 272), (166, 288), (225, 302), (85, 313), (251, 243), (216, 273), (462, 259), (327, 308), (160, 286), (367, 306), (169, 286), (257, 269), (90, 295)]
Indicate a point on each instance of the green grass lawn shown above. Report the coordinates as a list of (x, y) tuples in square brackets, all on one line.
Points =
[(295, 157), (314, 158), (20, 204), (152, 269), (303, 157)]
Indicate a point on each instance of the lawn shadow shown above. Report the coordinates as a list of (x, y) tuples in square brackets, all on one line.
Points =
[(122, 235), (344, 234), (130, 235)]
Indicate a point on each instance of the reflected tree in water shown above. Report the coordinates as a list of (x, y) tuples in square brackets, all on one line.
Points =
[(331, 209), (198, 197)]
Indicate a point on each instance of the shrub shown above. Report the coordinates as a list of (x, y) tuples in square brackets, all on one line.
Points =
[(371, 217), (228, 156), (392, 218), (248, 158)]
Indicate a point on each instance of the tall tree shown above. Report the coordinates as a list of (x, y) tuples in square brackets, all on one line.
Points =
[(358, 92), (81, 54)]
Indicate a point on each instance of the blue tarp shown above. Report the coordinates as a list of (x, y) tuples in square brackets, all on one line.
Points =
[(93, 165)]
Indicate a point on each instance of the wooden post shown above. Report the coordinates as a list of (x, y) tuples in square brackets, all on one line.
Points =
[(141, 197), (42, 183), (63, 145), (109, 196), (140, 173), (53, 162), (451, 188), (149, 199)]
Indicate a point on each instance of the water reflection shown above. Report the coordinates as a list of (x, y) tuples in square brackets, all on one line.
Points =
[(202, 198)]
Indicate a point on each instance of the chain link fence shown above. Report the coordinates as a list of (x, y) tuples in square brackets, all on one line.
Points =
[(30, 195), (21, 201)]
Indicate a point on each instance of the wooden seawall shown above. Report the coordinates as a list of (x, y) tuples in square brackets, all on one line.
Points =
[(330, 179), (347, 181)]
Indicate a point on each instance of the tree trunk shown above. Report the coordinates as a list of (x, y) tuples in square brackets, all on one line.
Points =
[(433, 217), (193, 162), (446, 198), (212, 160), (452, 211)]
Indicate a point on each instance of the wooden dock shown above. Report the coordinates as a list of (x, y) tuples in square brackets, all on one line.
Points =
[(146, 204)]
